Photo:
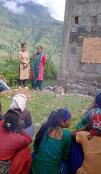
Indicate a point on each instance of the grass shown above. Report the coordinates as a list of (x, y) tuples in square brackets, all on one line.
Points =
[(41, 104)]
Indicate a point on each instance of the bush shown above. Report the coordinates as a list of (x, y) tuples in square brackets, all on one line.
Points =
[(10, 70), (11, 77), (50, 71)]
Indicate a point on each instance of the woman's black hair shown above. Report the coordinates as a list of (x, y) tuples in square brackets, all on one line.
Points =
[(40, 47), (11, 122), (18, 110), (53, 121), (22, 45)]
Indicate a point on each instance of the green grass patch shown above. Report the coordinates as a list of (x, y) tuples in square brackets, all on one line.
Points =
[(41, 104)]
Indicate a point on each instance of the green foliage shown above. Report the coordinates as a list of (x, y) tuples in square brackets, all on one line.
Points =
[(50, 71), (35, 27), (32, 28), (41, 104), (10, 71)]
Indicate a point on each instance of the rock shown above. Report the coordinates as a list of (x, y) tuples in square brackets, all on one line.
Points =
[(51, 88), (37, 125), (81, 87)]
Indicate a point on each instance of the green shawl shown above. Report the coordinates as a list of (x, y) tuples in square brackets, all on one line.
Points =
[(36, 65)]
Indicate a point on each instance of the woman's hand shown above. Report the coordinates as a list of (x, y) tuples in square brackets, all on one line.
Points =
[(24, 65)]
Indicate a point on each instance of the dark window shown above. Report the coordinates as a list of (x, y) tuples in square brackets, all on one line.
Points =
[(76, 20)]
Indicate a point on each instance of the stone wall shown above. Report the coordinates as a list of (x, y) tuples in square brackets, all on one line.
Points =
[(82, 19)]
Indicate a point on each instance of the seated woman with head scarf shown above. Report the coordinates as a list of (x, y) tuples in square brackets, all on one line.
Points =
[(91, 144), (52, 143), (15, 154), (82, 125), (19, 104), (76, 148)]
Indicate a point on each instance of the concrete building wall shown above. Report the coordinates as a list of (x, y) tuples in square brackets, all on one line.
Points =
[(82, 19)]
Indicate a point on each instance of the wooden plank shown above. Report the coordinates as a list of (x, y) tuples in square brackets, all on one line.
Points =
[(91, 50)]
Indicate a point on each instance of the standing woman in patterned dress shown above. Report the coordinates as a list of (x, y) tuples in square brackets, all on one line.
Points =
[(24, 64), (38, 63)]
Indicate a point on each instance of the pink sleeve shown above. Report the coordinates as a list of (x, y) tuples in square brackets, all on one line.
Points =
[(44, 59)]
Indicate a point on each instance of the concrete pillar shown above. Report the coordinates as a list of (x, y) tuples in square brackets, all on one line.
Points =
[(66, 37)]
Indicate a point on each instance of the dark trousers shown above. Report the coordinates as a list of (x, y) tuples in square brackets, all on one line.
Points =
[(64, 167), (75, 159), (37, 84), (22, 82)]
